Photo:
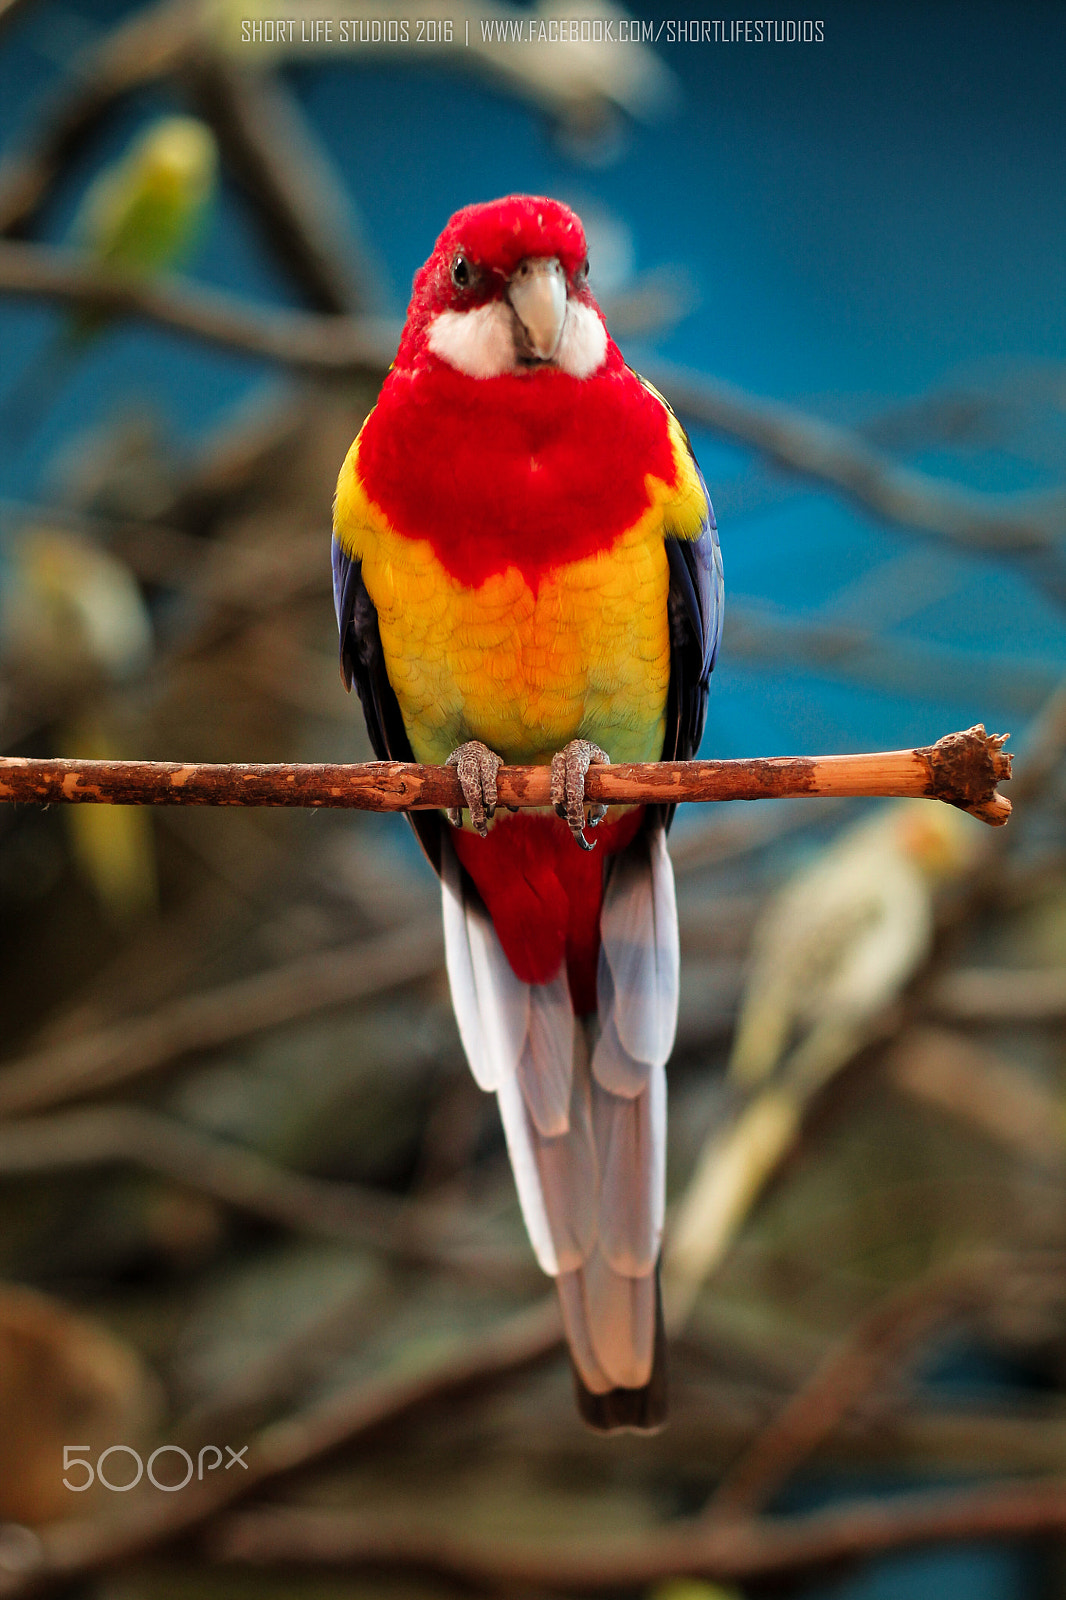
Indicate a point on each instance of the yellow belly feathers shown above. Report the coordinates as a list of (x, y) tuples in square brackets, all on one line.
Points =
[(584, 655)]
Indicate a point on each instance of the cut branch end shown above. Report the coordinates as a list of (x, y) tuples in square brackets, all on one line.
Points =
[(964, 769), (961, 769)]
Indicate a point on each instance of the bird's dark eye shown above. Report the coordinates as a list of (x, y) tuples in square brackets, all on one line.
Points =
[(462, 273), (582, 273)]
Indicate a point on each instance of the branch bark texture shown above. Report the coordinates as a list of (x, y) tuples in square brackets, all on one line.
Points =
[(1027, 524), (962, 769), (747, 1549)]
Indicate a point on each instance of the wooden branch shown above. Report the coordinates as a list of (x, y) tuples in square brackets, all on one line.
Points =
[(81, 1546), (294, 1536), (1001, 994), (147, 46), (408, 1230), (962, 769), (350, 345), (832, 455), (861, 1361), (268, 148), (205, 1020), (1022, 525)]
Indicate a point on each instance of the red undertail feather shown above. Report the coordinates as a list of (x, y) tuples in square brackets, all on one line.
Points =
[(544, 896)]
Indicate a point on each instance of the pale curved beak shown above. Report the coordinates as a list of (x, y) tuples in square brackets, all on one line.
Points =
[(537, 291)]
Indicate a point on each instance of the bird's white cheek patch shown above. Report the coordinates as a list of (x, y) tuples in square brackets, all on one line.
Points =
[(583, 346), (479, 342)]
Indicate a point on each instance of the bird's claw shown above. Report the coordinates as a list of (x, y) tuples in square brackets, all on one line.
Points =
[(476, 768), (569, 768)]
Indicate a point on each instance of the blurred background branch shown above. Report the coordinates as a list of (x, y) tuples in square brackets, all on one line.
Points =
[(1023, 525), (744, 1550), (281, 1213), (327, 344)]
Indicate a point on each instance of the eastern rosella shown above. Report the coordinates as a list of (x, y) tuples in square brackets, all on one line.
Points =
[(73, 626), (526, 569)]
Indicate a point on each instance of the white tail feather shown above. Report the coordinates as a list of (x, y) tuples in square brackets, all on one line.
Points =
[(573, 1302), (569, 1174), (639, 949), (631, 1141), (491, 1004), (520, 1134), (610, 1325), (461, 968), (587, 1139), (546, 1065), (622, 1319), (502, 999), (612, 1065)]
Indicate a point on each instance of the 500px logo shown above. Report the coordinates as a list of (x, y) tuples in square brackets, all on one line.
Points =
[(77, 1456)]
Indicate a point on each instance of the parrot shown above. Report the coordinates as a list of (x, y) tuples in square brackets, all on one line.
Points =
[(140, 217), (526, 569), (74, 626), (830, 953)]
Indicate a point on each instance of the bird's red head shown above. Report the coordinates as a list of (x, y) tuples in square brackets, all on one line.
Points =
[(506, 291)]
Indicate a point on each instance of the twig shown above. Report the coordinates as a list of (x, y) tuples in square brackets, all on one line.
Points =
[(865, 1355), (66, 1550), (1030, 524), (890, 663), (1001, 994), (961, 769), (9, 10), (268, 148), (748, 1549), (242, 1178), (1045, 741), (1004, 1102), (138, 1045), (833, 455), (299, 339), (148, 45)]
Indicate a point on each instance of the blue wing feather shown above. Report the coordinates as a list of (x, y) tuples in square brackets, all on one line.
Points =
[(697, 595), (363, 664), (696, 606)]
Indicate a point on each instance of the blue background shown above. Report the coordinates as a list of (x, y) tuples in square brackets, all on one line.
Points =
[(866, 220)]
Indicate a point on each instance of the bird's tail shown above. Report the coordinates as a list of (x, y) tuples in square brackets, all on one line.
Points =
[(583, 1103)]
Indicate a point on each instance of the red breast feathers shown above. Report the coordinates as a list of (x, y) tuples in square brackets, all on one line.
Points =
[(528, 468)]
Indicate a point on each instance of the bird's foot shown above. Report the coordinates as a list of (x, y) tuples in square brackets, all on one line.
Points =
[(476, 766), (569, 768)]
